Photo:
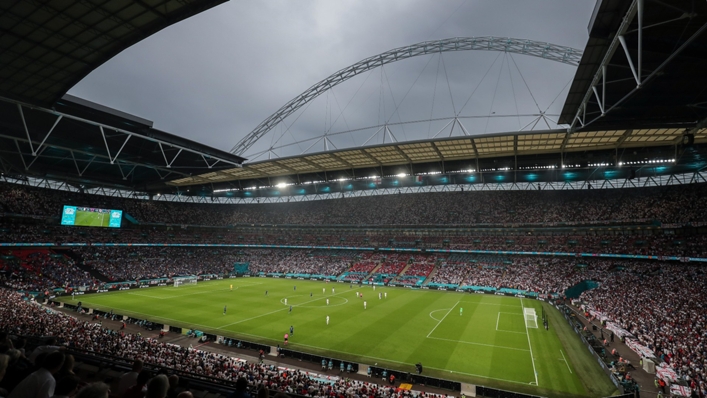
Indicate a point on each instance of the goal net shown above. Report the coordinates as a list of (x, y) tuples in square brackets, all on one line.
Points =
[(531, 319), (181, 280)]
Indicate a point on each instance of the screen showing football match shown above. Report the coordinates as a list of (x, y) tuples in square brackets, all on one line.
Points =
[(91, 217)]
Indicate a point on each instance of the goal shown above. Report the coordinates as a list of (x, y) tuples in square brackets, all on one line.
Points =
[(531, 319), (181, 280)]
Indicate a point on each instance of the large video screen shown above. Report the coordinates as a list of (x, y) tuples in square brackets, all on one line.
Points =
[(91, 217)]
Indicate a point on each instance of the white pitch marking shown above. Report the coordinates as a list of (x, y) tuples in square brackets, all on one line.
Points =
[(432, 312), (480, 344), (498, 318), (272, 312), (178, 321), (440, 321), (565, 359), (407, 363), (529, 345)]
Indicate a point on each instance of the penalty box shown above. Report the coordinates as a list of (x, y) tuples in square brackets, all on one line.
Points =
[(487, 326)]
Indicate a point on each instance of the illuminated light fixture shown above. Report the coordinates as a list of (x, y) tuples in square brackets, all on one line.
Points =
[(281, 185), (401, 175)]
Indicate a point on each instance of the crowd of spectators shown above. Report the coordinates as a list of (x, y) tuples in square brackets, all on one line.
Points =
[(304, 262), (674, 204), (656, 245), (24, 318), (663, 306), (542, 275), (41, 270), (132, 263)]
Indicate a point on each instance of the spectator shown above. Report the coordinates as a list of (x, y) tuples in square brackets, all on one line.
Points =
[(140, 387), (41, 383), (66, 387), (129, 379), (157, 387), (94, 390)]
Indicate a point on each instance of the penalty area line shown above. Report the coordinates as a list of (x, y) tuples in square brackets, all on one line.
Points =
[(440, 321)]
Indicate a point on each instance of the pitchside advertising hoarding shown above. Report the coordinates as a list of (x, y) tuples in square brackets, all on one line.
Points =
[(91, 217)]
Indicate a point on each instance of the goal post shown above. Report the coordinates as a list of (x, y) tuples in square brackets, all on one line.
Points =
[(531, 318), (181, 280)]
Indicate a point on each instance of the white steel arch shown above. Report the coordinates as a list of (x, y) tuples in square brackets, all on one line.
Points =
[(552, 52)]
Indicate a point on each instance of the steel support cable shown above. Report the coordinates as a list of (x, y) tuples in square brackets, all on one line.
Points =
[(434, 95), (548, 51), (451, 97), (478, 84), (515, 99), (495, 90), (392, 96), (526, 84), (413, 84)]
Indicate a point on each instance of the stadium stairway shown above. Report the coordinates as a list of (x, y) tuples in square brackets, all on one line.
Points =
[(401, 273), (373, 271), (429, 277), (80, 265)]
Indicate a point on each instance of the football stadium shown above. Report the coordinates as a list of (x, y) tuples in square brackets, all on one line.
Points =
[(542, 244)]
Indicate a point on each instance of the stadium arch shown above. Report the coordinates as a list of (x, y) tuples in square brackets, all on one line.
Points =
[(552, 52)]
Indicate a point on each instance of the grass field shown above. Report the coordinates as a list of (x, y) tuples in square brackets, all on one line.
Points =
[(488, 343), (92, 219)]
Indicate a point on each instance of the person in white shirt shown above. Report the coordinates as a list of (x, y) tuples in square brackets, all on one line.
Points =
[(129, 379), (41, 383), (49, 347)]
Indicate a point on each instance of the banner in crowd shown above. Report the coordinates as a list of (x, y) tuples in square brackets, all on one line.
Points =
[(665, 372), (640, 349), (680, 391), (596, 314), (618, 330)]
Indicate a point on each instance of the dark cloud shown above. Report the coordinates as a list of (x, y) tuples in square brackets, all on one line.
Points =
[(215, 76)]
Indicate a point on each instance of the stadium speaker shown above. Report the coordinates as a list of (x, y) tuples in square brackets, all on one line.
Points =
[(688, 140)]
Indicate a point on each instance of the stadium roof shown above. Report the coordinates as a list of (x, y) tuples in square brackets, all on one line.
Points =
[(645, 110), (554, 146), (91, 145), (49, 46), (46, 48), (654, 101), (663, 82)]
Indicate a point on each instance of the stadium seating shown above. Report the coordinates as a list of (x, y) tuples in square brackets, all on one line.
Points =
[(660, 303)]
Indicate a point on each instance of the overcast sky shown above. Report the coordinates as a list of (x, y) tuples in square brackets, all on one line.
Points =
[(214, 77)]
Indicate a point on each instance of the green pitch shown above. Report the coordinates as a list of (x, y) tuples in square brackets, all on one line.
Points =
[(92, 219), (487, 343)]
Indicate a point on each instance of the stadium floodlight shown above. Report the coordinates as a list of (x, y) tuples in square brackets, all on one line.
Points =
[(401, 175), (281, 185)]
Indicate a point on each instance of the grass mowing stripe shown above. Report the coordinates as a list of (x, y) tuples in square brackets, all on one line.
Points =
[(281, 309), (390, 331), (406, 363), (479, 344)]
